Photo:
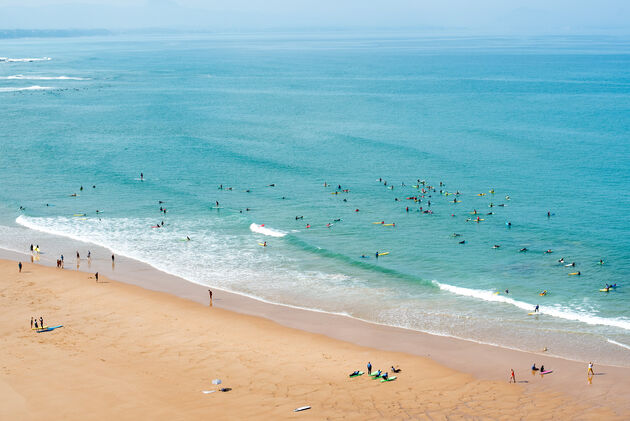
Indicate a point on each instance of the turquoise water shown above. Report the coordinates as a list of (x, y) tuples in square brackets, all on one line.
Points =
[(273, 118)]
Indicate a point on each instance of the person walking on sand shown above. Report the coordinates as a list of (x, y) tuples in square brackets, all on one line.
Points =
[(210, 293), (96, 276), (590, 369), (512, 377), (369, 367), (20, 267)]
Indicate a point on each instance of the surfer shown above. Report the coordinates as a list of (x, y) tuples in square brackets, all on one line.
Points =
[(572, 264), (537, 309), (542, 369), (376, 254), (96, 276), (396, 370), (601, 262), (507, 291), (385, 376), (354, 373), (496, 246), (20, 267), (549, 251), (217, 203), (534, 368), (561, 260), (523, 249), (187, 238), (369, 368), (141, 177)]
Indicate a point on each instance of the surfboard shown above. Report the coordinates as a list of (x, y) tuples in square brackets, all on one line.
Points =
[(377, 222), (546, 372), (48, 329), (533, 313), (301, 408), (79, 214), (604, 290), (574, 273), (383, 254), (389, 225), (38, 328), (389, 379), (262, 244)]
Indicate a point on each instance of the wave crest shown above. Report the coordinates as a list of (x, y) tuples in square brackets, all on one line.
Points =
[(261, 229), (27, 88), (559, 312)]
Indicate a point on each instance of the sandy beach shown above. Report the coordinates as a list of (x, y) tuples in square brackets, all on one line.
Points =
[(126, 352)]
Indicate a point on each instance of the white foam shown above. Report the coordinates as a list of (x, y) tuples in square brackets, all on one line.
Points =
[(23, 60), (557, 311), (32, 77), (261, 229), (618, 343), (27, 88)]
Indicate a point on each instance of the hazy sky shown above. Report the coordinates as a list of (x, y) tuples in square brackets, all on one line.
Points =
[(483, 16)]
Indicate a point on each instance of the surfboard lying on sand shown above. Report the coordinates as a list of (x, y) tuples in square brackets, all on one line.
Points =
[(301, 408), (389, 379)]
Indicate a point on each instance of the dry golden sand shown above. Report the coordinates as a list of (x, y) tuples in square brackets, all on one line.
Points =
[(127, 353)]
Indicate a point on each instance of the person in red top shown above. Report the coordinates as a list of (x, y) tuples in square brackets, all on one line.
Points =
[(512, 377)]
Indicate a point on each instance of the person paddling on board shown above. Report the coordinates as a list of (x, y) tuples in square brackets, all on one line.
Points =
[(561, 260)]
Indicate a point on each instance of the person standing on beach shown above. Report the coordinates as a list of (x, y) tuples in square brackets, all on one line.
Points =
[(112, 258), (31, 322), (590, 369), (369, 367), (41, 322), (96, 276), (512, 377), (20, 267), (210, 293)]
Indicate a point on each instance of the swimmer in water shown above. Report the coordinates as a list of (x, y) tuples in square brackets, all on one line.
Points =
[(549, 251), (496, 246), (523, 249), (561, 260)]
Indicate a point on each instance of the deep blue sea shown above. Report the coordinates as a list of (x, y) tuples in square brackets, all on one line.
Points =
[(307, 140)]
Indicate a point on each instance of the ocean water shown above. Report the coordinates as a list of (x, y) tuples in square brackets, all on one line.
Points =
[(312, 126)]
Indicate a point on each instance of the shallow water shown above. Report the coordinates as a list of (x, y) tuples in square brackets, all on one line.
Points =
[(272, 118)]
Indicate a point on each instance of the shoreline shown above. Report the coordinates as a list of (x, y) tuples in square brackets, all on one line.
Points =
[(125, 352), (483, 361)]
